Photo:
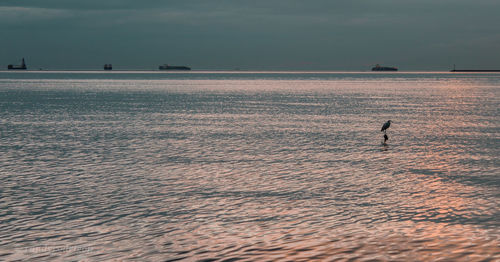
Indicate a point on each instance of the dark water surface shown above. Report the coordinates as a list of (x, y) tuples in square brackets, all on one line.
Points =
[(249, 165)]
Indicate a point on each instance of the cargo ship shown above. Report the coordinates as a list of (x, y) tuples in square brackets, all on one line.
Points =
[(108, 67), (18, 67), (378, 67), (169, 67)]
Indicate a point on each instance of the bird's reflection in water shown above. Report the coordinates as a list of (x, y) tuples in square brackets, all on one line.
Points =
[(384, 143)]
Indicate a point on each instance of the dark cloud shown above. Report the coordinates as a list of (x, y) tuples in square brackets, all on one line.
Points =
[(293, 34)]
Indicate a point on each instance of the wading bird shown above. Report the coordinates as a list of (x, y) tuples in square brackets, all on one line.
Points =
[(385, 126)]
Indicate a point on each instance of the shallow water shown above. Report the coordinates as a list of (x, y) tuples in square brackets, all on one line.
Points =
[(249, 165)]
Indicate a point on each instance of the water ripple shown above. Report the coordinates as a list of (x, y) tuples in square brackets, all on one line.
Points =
[(260, 169)]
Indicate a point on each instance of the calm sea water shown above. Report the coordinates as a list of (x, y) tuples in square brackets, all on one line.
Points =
[(257, 166)]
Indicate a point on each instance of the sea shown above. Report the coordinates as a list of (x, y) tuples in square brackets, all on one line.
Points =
[(249, 166)]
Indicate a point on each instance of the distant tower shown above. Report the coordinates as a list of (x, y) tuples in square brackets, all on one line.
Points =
[(18, 67)]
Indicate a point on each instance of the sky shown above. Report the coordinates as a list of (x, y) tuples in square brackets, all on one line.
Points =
[(251, 35)]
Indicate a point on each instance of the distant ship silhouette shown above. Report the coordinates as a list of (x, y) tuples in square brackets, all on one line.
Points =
[(169, 67), (378, 67), (18, 67), (108, 67)]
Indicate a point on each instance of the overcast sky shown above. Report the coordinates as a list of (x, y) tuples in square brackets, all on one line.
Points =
[(251, 35)]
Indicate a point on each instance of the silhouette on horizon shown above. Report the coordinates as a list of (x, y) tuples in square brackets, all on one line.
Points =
[(378, 67), (18, 67)]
